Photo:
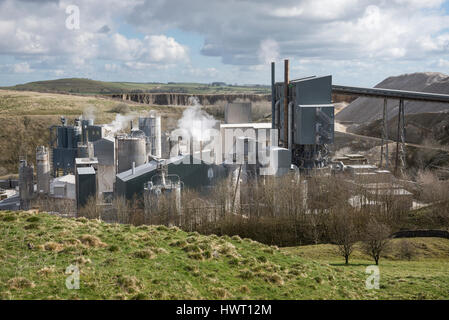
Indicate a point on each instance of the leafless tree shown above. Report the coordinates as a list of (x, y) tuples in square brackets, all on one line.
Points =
[(343, 232), (376, 238), (90, 210)]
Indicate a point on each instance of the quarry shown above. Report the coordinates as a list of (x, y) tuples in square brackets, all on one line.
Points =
[(278, 175), (90, 167)]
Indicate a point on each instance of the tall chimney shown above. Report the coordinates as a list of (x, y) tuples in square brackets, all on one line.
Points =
[(286, 82), (273, 98)]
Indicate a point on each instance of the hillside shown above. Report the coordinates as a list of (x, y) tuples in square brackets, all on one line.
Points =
[(422, 128), (364, 110), (88, 86), (156, 262)]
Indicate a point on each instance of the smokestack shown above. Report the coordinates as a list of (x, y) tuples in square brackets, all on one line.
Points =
[(286, 81), (273, 98)]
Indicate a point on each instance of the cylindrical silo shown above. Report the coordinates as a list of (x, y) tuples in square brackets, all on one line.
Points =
[(130, 150), (26, 184), (151, 126), (43, 170)]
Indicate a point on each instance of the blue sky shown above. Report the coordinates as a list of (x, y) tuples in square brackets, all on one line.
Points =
[(359, 42)]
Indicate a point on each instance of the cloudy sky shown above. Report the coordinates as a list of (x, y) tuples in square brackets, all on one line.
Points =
[(359, 42)]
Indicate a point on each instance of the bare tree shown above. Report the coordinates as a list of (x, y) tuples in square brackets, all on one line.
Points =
[(343, 232), (90, 210), (120, 204), (376, 238)]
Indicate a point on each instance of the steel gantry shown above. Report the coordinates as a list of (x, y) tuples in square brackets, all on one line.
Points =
[(400, 95)]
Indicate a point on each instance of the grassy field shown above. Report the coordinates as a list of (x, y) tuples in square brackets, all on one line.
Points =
[(156, 262), (88, 86), (26, 116)]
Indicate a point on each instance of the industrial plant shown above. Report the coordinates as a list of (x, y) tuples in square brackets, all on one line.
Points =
[(86, 162)]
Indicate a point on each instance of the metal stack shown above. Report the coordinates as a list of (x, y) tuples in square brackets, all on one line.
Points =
[(151, 127), (26, 184), (43, 170)]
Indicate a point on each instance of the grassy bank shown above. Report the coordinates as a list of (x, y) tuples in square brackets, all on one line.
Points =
[(155, 262)]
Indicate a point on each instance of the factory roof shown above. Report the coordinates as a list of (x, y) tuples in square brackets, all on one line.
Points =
[(354, 155), (255, 125), (361, 166), (85, 170), (394, 192), (84, 161), (70, 178), (152, 165)]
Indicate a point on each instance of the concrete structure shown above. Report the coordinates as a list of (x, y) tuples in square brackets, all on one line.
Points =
[(129, 151), (104, 151), (238, 112), (86, 185), (151, 126), (63, 187), (43, 170), (279, 162), (26, 184)]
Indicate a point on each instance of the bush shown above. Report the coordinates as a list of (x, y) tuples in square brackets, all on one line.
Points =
[(121, 108)]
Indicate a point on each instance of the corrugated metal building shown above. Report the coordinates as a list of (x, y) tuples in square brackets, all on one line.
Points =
[(200, 175)]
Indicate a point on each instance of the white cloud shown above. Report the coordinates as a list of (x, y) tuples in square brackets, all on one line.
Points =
[(22, 67)]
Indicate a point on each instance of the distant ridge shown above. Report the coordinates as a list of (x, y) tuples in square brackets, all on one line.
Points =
[(364, 110), (89, 86)]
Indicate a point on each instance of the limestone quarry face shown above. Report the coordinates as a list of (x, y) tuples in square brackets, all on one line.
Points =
[(183, 99), (364, 110)]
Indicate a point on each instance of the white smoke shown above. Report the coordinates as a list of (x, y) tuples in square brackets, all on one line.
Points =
[(268, 51), (89, 112), (120, 123), (196, 121)]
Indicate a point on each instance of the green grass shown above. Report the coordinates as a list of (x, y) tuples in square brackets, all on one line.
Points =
[(88, 86), (156, 262)]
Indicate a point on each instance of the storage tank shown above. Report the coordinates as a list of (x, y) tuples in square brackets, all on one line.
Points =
[(130, 150), (43, 170), (151, 126), (26, 184)]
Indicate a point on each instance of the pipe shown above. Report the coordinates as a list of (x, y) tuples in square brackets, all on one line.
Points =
[(290, 125), (286, 80), (273, 98)]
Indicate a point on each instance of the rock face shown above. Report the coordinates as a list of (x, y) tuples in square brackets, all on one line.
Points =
[(182, 99), (364, 110)]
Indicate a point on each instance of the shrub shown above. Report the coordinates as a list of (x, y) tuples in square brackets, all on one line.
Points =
[(20, 283), (121, 108)]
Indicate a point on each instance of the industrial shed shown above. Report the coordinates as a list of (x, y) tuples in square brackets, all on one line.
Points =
[(199, 176)]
